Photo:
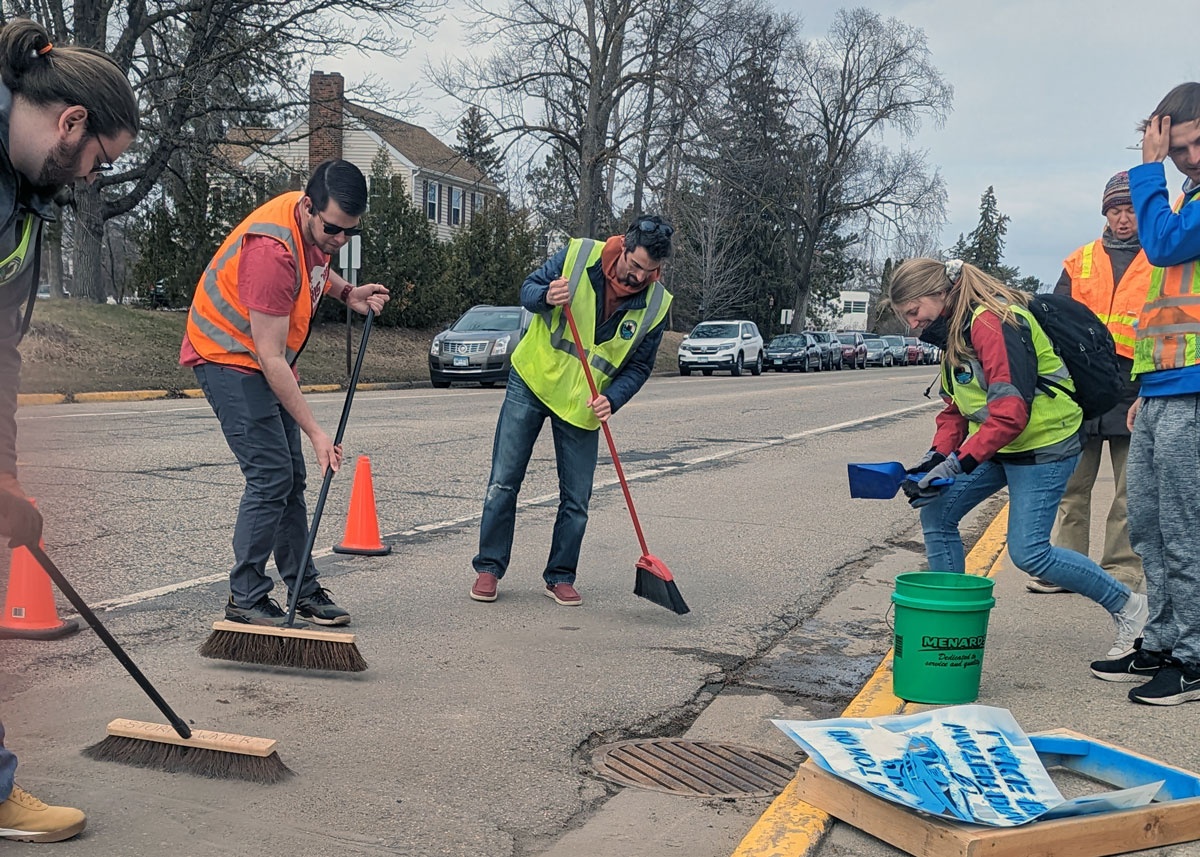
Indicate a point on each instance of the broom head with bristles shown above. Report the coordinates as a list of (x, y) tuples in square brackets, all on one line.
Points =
[(217, 755), (283, 647), (654, 582)]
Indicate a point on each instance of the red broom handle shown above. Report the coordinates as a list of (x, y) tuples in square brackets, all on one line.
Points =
[(612, 448)]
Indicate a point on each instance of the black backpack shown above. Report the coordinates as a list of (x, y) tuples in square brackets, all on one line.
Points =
[(1087, 349)]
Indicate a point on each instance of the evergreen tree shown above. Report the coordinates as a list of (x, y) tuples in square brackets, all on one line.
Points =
[(488, 261), (986, 240), (477, 145)]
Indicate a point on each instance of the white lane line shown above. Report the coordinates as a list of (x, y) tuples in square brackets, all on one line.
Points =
[(451, 523)]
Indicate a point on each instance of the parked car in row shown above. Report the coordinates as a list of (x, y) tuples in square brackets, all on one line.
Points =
[(915, 356), (898, 349), (879, 353), (728, 346), (854, 349), (790, 351), (478, 347), (831, 349)]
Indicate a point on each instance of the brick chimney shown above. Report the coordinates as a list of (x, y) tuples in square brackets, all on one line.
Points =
[(325, 92)]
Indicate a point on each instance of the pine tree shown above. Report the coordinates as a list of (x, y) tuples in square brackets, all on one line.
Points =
[(986, 240), (477, 145)]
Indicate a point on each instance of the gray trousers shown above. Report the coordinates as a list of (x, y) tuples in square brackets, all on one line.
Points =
[(272, 516), (1164, 520), (1074, 525)]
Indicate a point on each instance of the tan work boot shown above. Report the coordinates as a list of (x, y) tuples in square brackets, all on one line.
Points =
[(26, 819)]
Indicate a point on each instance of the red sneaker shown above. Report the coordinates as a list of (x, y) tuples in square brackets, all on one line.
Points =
[(564, 594), (485, 587)]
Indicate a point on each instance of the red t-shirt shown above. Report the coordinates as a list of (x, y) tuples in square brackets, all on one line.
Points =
[(267, 282)]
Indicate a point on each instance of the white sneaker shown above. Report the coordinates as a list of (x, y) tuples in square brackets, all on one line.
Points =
[(1130, 620)]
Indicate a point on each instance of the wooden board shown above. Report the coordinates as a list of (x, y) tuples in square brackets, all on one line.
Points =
[(271, 631), (1161, 823), (161, 733)]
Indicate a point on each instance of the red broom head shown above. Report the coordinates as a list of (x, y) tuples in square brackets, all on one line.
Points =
[(655, 566)]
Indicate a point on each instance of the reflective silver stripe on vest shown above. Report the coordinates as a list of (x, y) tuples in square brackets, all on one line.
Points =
[(225, 309), (653, 305), (559, 338)]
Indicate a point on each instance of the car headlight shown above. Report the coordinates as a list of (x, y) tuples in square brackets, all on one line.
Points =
[(436, 348), (501, 345), (725, 345)]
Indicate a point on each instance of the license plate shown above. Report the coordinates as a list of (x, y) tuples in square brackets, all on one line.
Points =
[(778, 362), (702, 359), (462, 361)]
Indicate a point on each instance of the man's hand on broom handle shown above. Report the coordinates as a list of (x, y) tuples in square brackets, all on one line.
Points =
[(558, 293)]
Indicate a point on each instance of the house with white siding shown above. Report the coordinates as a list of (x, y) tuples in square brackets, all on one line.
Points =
[(447, 186)]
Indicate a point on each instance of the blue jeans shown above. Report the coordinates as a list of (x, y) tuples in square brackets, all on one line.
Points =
[(272, 517), (8, 768), (521, 418), (1034, 492)]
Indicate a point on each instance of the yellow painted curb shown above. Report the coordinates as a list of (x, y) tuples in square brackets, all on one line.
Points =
[(320, 388), (790, 827), (192, 393), (25, 400), (121, 396)]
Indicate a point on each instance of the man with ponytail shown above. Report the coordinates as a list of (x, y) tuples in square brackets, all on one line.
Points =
[(66, 113), (1001, 427)]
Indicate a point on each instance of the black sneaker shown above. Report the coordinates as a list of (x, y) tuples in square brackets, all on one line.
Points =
[(1173, 685), (266, 612), (319, 607), (1139, 665)]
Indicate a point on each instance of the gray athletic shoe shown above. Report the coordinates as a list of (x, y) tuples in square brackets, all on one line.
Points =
[(265, 612), (319, 607)]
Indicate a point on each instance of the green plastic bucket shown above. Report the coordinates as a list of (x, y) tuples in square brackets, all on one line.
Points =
[(941, 626)]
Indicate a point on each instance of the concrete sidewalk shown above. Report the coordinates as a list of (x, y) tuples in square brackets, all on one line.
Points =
[(1036, 662)]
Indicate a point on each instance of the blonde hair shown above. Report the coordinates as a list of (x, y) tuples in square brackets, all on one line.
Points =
[(917, 278)]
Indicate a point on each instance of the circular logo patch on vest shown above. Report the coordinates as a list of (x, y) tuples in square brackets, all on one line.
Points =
[(963, 374), (627, 329)]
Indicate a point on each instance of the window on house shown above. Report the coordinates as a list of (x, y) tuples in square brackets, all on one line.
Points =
[(433, 198), (852, 307), (456, 201), (476, 202)]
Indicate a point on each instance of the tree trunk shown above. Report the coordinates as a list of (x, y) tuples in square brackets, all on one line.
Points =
[(803, 274), (89, 237), (52, 254)]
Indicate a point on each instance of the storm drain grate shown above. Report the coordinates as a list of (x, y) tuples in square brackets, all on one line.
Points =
[(697, 768)]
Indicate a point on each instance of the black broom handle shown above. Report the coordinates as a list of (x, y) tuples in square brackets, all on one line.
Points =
[(319, 509), (612, 447), (113, 646)]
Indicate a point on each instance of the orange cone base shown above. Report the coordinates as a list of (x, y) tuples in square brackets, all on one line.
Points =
[(65, 629), (383, 550)]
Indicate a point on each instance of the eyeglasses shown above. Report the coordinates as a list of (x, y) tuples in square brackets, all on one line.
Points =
[(649, 227), (332, 229), (106, 165)]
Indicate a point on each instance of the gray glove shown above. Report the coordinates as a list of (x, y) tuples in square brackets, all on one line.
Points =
[(948, 469), (931, 460)]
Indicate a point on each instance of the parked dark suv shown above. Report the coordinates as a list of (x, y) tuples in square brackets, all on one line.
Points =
[(478, 347)]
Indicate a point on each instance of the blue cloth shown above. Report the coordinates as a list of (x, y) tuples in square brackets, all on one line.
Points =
[(640, 364), (1170, 382), (272, 517), (1034, 492), (8, 768), (521, 418), (1169, 238)]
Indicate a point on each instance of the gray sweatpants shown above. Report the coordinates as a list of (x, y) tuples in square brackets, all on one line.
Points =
[(1163, 477)]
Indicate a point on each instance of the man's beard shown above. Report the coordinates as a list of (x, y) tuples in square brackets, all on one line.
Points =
[(61, 166)]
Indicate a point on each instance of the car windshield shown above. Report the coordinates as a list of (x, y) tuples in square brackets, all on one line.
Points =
[(846, 338), (894, 340), (875, 342), (714, 331), (911, 340), (497, 318), (788, 340)]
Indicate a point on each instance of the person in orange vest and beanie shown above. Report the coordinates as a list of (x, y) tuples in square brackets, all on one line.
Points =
[(65, 113), (1111, 276), (1164, 455), (248, 323)]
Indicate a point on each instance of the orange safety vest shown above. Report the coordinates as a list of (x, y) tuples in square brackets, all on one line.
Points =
[(1116, 304), (1168, 330), (218, 323)]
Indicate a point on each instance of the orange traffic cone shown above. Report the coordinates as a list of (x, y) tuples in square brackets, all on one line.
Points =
[(29, 611), (362, 525)]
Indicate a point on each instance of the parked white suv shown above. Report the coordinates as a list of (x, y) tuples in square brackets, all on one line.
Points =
[(730, 346)]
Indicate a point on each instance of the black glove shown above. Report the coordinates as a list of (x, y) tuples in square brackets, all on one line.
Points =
[(20, 520), (918, 496), (931, 460)]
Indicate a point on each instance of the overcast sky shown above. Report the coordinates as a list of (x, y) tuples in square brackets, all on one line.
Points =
[(1047, 94)]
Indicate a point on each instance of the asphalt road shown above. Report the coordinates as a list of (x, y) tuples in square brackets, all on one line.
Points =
[(467, 734)]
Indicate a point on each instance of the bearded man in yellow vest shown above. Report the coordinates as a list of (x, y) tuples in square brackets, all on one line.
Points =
[(248, 323), (620, 308), (1111, 276)]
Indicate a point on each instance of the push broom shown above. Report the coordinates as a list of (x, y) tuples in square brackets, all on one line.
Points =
[(287, 645), (654, 580), (176, 748)]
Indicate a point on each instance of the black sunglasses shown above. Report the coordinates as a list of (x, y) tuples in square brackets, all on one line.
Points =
[(649, 227), (331, 229)]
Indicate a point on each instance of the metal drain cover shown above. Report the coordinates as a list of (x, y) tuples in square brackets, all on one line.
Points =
[(696, 768)]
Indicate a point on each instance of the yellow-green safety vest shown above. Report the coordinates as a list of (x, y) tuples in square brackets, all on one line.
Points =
[(546, 357), (1052, 419)]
